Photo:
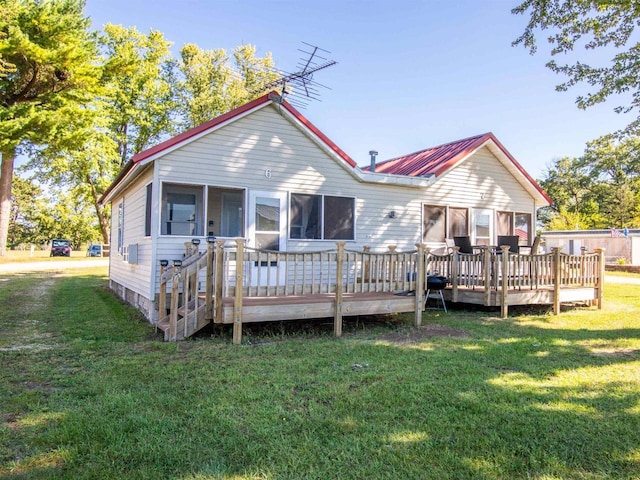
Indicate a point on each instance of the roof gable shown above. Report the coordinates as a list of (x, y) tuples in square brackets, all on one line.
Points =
[(438, 160), (235, 114)]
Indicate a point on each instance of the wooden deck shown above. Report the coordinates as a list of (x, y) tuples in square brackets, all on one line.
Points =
[(236, 285)]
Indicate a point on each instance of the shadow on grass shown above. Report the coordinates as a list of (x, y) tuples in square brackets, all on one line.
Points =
[(512, 398)]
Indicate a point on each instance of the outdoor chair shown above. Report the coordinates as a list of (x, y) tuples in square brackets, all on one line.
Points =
[(464, 243), (511, 240)]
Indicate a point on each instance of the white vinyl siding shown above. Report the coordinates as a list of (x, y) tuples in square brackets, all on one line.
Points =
[(134, 277), (264, 151)]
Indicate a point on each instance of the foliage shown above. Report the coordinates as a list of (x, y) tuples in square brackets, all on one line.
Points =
[(600, 189), (48, 76), (606, 25), (138, 101), (88, 391), (29, 214), (211, 85)]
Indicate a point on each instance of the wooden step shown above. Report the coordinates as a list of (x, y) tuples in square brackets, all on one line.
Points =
[(201, 320)]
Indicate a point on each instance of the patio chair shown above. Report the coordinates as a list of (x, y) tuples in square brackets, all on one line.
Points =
[(464, 243), (511, 240)]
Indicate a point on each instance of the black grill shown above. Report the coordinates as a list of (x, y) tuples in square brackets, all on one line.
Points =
[(436, 283)]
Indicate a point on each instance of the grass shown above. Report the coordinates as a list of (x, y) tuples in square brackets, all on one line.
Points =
[(88, 391)]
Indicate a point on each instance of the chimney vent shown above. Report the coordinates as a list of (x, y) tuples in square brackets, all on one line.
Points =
[(373, 154)]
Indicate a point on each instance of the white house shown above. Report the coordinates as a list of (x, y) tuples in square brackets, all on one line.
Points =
[(263, 172)]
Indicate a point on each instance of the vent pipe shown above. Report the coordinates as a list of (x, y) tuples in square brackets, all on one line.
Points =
[(373, 154)]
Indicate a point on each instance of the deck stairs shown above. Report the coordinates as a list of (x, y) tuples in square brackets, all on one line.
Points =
[(190, 320)]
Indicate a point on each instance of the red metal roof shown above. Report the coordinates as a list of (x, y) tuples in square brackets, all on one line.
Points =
[(431, 161), (437, 160)]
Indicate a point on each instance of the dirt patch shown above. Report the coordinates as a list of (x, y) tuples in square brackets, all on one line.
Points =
[(616, 352), (416, 335)]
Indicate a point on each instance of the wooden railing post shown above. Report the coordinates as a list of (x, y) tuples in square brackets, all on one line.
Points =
[(455, 273), (175, 303), (504, 307), (337, 321), (219, 282), (162, 296), (237, 303), (209, 279), (557, 280), (420, 282), (488, 269), (601, 272)]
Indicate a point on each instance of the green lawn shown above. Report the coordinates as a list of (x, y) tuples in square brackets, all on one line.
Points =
[(87, 390)]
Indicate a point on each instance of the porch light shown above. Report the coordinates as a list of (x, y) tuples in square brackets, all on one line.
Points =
[(211, 239), (177, 263), (164, 263), (195, 241)]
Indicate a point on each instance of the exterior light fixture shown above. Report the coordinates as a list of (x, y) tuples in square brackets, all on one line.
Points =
[(164, 263), (392, 214), (211, 239), (195, 241), (177, 263)]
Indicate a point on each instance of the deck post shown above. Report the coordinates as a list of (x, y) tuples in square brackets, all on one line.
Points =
[(162, 296), (337, 321), (219, 282), (557, 277), (237, 303), (420, 282), (175, 296), (600, 284), (504, 307), (208, 288), (487, 268), (455, 273)]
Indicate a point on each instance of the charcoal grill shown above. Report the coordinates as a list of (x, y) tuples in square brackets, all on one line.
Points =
[(435, 285)]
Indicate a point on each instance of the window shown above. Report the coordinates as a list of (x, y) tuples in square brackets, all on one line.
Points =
[(505, 223), (514, 223), (147, 212), (458, 222), (121, 227), (523, 228), (317, 217), (434, 223), (182, 212), (440, 222)]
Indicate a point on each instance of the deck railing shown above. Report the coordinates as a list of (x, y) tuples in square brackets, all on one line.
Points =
[(238, 272)]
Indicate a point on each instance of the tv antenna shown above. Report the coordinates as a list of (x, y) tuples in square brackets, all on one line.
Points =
[(299, 87)]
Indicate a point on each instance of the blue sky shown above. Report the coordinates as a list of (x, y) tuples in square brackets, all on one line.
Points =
[(410, 74)]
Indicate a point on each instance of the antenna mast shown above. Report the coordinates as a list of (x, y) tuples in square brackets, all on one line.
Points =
[(299, 87)]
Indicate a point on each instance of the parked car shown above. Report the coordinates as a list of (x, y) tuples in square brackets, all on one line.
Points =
[(60, 248), (94, 251)]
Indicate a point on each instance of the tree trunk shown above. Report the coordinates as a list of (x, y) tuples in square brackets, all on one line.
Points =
[(102, 218), (6, 178)]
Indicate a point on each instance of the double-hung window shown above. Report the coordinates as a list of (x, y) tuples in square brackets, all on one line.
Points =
[(322, 217), (182, 210)]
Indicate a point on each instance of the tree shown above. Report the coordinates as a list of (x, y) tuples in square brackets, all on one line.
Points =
[(139, 101), (594, 24), (27, 209), (49, 74), (133, 110), (212, 85), (600, 189)]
